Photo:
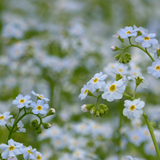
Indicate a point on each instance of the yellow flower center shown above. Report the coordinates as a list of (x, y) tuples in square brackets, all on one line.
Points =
[(38, 157), (77, 153), (95, 126), (2, 117), (128, 32), (132, 107), (112, 66), (82, 127), (11, 148), (95, 80), (29, 151), (152, 147), (135, 138), (146, 38), (157, 67), (22, 100), (40, 96), (135, 67), (85, 91), (146, 133), (112, 88), (120, 70), (134, 73), (39, 107)]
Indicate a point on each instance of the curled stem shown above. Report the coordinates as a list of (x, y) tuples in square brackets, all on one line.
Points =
[(16, 121)]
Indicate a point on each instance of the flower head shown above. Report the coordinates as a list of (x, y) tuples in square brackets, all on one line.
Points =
[(10, 150), (84, 91), (97, 82), (4, 117), (40, 96), (114, 90), (127, 32), (39, 107), (22, 101), (146, 39), (133, 108), (28, 152), (154, 69)]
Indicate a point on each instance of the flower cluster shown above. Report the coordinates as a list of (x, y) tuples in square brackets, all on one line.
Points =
[(38, 108), (13, 149)]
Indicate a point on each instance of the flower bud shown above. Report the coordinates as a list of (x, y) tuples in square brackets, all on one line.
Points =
[(97, 114), (34, 124), (93, 110), (114, 48), (101, 111), (46, 125), (39, 131), (52, 111), (158, 52), (117, 57), (86, 108), (126, 58)]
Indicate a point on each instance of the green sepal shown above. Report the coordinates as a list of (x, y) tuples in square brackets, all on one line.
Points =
[(90, 94), (122, 40), (118, 77), (138, 81), (89, 106)]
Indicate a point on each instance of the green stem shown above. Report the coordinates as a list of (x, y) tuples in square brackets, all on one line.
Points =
[(119, 128), (152, 134), (15, 124), (128, 96), (98, 99), (134, 94), (144, 50), (7, 127)]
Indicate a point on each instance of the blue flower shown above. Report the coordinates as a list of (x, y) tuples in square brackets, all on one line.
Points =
[(127, 32), (146, 39), (39, 107), (154, 69), (22, 101)]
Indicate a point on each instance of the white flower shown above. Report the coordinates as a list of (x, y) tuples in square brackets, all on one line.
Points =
[(84, 91), (38, 155), (114, 91), (97, 82), (22, 101), (137, 74), (4, 117), (120, 69), (39, 107), (10, 150), (20, 125), (40, 96), (28, 152), (83, 108), (154, 69), (131, 158), (133, 108), (12, 158)]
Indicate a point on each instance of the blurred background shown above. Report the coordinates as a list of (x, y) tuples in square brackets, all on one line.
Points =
[(54, 47)]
